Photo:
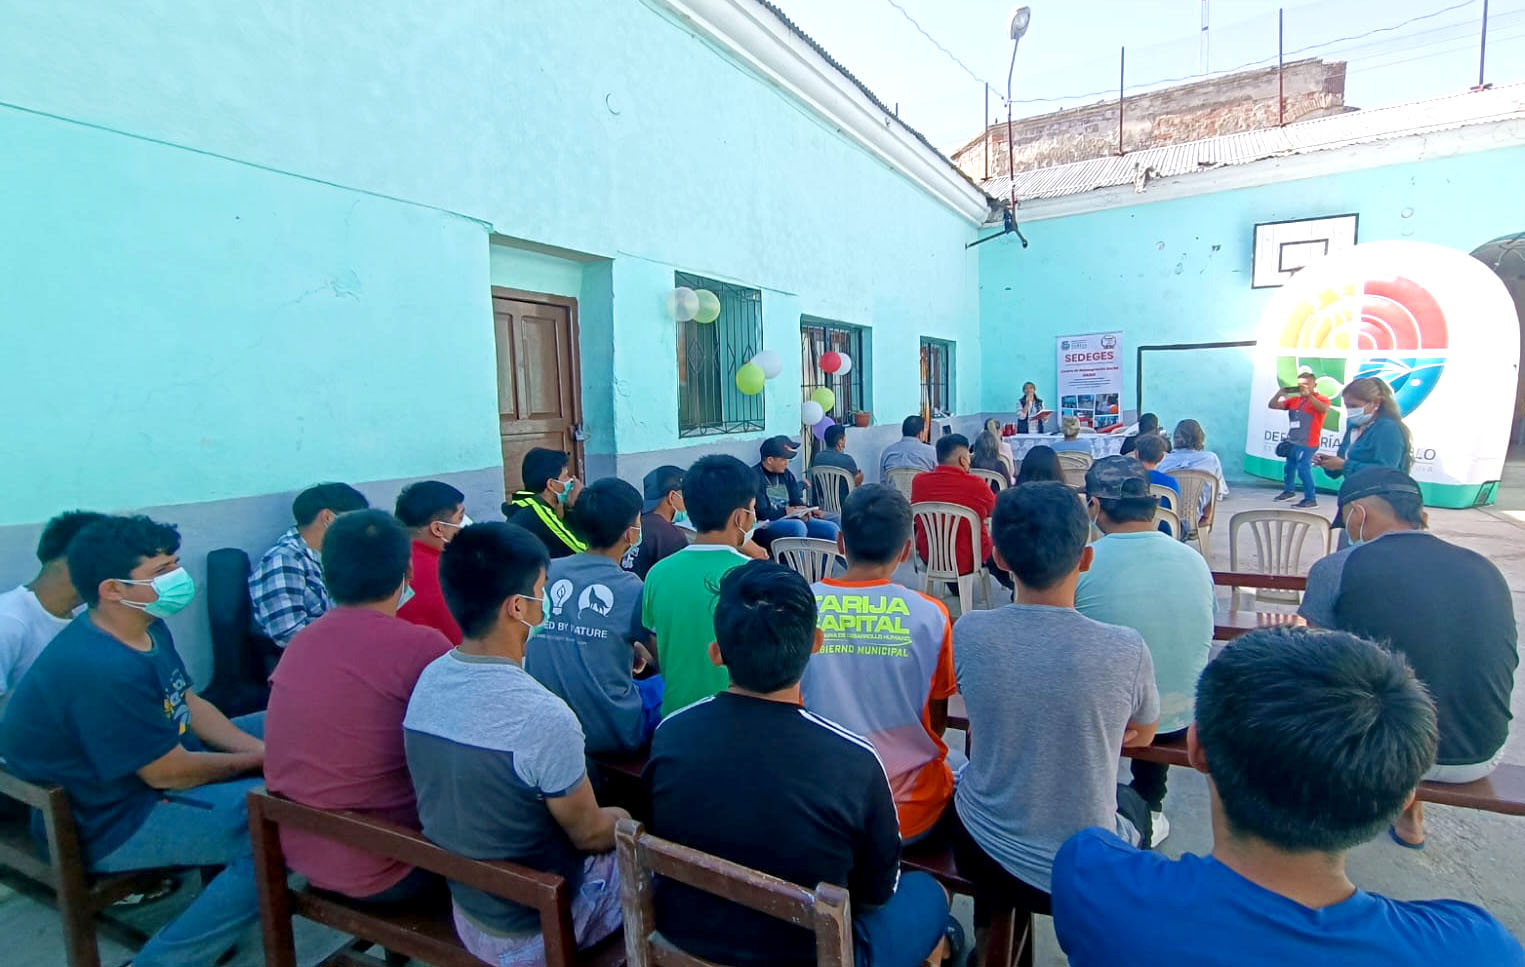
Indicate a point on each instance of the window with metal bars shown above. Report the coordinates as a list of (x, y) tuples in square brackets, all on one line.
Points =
[(709, 354), (937, 376), (818, 336)]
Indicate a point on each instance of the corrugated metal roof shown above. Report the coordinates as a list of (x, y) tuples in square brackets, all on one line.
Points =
[(1303, 137)]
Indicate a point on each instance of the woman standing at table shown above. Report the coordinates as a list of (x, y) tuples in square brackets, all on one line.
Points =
[(1028, 409)]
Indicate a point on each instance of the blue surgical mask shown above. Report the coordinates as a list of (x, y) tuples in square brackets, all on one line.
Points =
[(680, 517), (565, 492), (407, 595), (175, 590), (1354, 540), (1360, 418), (534, 628), (637, 542)]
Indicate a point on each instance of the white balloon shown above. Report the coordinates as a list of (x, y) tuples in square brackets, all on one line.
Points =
[(772, 364), (811, 413), (682, 303), (847, 365)]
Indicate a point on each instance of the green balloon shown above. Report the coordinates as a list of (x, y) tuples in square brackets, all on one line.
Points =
[(750, 379), (825, 397)]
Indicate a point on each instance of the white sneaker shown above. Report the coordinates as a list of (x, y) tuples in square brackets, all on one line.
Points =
[(1161, 829)]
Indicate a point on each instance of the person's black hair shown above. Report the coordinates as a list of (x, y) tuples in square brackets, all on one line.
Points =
[(365, 556), (1150, 448), (58, 532), (485, 565), (949, 444), (1129, 510), (834, 435), (765, 625), (1040, 465), (714, 488), (876, 523), (912, 426), (340, 498), (1040, 530), (1314, 739), (605, 509), (111, 547), (425, 501), (541, 465), (1148, 423)]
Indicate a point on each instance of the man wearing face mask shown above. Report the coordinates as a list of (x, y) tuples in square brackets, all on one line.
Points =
[(153, 770), (541, 507), (665, 528), (434, 512), (1445, 608), (286, 586)]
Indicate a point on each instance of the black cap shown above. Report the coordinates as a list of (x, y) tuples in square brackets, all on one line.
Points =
[(658, 484), (1117, 478), (778, 446), (1377, 482)]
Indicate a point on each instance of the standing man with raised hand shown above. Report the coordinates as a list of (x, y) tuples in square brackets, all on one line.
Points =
[(286, 586), (541, 507), (34, 613), (1305, 410), (434, 512)]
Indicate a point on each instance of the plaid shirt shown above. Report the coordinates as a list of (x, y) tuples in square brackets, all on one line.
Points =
[(287, 588)]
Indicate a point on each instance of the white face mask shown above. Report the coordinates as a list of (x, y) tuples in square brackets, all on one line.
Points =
[(750, 530)]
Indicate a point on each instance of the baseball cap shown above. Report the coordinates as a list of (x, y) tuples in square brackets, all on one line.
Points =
[(657, 484), (778, 446), (1377, 482), (1117, 478)]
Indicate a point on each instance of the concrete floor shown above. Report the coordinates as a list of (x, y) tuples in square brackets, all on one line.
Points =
[(1472, 856)]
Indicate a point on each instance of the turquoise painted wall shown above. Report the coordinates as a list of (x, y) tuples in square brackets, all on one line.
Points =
[(249, 209), (1179, 272)]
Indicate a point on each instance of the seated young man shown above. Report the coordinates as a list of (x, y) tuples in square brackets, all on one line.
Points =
[(780, 507), (1053, 697), (498, 761), (592, 638), (434, 512), (752, 777), (664, 520), (885, 670), (541, 507), (286, 586), (151, 768), (1161, 588), (952, 483), (834, 454), (1150, 450), (333, 733), (32, 614), (678, 601), (1312, 742)]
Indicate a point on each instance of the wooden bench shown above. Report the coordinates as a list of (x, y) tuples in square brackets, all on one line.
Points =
[(58, 876), (418, 931), (1231, 624)]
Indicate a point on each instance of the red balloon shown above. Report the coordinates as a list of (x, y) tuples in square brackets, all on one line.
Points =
[(831, 361)]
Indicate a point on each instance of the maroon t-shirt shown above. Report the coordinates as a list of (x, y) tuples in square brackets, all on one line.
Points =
[(333, 736)]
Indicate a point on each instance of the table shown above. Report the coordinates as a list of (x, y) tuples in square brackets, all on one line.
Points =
[(1102, 444)]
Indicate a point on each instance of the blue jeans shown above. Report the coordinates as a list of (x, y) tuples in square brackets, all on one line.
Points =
[(204, 826), (1300, 465), (767, 533), (903, 931)]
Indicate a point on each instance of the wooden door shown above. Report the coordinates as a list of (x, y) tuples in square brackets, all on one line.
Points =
[(539, 381)]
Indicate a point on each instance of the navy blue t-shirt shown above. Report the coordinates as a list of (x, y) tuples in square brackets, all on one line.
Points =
[(1114, 904), (88, 715)]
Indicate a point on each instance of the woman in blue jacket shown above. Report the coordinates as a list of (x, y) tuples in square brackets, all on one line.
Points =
[(1375, 435)]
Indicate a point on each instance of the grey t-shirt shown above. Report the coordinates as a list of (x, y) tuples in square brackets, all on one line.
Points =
[(1050, 694), (583, 653), (487, 745)]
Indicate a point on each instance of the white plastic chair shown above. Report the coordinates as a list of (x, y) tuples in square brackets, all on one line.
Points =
[(1165, 493), (1279, 537), (1169, 518), (900, 478), (1000, 480), (941, 523), (828, 485), (810, 556), (1011, 468), (1073, 464), (1193, 484)]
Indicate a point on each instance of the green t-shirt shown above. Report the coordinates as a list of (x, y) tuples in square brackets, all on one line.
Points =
[(678, 604)]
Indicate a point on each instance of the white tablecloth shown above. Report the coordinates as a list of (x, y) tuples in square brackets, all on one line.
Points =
[(1102, 444)]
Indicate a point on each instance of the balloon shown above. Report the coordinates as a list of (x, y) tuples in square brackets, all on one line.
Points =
[(831, 361), (772, 364), (847, 364), (824, 424), (708, 309), (682, 303), (825, 397), (811, 413), (749, 379)]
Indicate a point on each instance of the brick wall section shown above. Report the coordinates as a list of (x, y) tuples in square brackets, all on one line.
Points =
[(1189, 112)]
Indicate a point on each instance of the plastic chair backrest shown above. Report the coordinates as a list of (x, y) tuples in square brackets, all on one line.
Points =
[(1074, 464), (809, 556), (1011, 468), (1167, 516), (1279, 537), (941, 523), (998, 479), (830, 485), (900, 478), (1193, 484), (1165, 493)]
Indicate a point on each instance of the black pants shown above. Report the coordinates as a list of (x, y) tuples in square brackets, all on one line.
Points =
[(1149, 777), (419, 887)]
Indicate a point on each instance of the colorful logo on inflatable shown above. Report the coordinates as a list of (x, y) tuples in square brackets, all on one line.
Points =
[(1391, 328)]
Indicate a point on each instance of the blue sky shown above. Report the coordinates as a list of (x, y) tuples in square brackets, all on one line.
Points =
[(1072, 46)]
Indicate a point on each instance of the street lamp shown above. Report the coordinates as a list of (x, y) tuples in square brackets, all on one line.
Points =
[(1016, 27)]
